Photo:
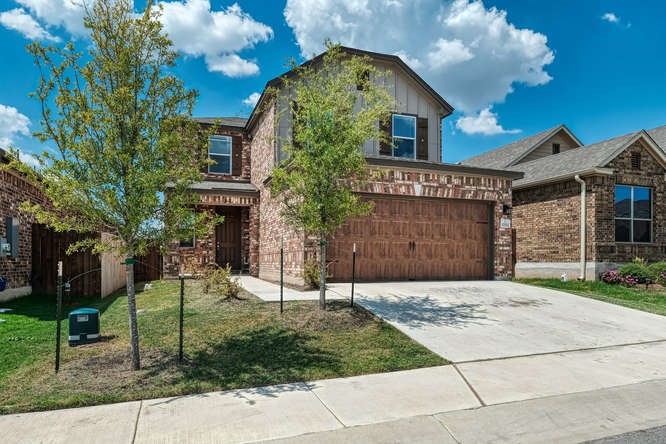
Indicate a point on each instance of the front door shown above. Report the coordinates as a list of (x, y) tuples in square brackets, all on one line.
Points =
[(228, 238)]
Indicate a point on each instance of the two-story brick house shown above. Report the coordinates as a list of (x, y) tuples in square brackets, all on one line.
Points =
[(431, 220), (624, 198)]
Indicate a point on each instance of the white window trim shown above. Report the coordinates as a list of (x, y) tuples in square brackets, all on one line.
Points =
[(220, 137), (631, 217), (393, 136)]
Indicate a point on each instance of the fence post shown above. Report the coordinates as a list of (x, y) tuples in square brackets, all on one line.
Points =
[(182, 306), (353, 273), (58, 316), (282, 275)]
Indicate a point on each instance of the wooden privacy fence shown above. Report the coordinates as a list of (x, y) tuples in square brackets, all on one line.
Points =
[(49, 247)]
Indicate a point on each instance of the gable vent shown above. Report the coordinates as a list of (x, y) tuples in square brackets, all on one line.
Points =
[(636, 161)]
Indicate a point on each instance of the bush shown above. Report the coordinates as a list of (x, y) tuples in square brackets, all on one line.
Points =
[(311, 273), (658, 272), (611, 277), (219, 281), (634, 271)]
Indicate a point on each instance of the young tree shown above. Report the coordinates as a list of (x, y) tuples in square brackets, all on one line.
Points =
[(337, 103), (120, 121)]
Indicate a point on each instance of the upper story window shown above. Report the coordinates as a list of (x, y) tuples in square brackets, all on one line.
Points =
[(404, 136), (633, 214), (556, 148), (219, 150)]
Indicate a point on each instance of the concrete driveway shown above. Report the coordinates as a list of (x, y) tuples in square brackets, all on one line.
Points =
[(471, 321)]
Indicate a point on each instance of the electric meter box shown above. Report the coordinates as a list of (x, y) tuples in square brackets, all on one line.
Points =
[(83, 326)]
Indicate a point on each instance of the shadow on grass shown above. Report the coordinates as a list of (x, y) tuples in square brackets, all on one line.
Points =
[(421, 311), (258, 356), (43, 306)]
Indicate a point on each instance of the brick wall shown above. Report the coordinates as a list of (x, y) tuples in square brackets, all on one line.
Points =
[(272, 231), (14, 190), (547, 222), (651, 174)]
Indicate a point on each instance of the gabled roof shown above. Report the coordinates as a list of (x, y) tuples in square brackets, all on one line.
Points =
[(590, 159), (512, 153), (448, 109)]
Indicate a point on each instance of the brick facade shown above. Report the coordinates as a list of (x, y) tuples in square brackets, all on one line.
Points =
[(547, 217), (14, 190)]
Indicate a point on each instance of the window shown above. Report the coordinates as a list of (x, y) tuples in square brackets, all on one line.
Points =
[(187, 231), (404, 136), (556, 148), (219, 150), (633, 214)]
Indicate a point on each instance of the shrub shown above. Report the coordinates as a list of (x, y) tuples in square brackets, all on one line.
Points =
[(219, 281), (311, 273), (658, 272), (611, 277), (636, 271)]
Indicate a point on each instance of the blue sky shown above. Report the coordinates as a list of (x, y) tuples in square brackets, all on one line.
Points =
[(511, 68)]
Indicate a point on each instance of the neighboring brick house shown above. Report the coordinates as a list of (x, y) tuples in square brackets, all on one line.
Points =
[(625, 201), (431, 220), (16, 228), (31, 263)]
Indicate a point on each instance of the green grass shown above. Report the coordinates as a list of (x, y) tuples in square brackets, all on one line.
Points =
[(652, 300), (228, 344)]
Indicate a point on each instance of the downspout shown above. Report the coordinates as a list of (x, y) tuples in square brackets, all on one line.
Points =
[(583, 226)]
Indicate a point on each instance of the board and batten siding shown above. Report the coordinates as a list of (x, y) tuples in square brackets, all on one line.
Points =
[(410, 98), (546, 148)]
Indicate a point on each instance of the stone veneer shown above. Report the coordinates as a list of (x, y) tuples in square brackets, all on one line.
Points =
[(547, 220)]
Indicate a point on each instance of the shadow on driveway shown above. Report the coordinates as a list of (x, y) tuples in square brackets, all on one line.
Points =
[(420, 311)]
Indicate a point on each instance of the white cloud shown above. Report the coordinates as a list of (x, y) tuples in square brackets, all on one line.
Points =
[(471, 54), (28, 159), (67, 14), (193, 26), (449, 52), (218, 36), (19, 20), (485, 122), (12, 124), (252, 99), (610, 17)]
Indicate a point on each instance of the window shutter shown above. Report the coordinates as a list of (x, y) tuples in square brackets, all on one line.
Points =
[(386, 147), (422, 139), (236, 156)]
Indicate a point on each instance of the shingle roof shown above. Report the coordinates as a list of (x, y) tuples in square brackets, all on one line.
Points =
[(658, 134), (503, 156), (238, 122), (567, 163)]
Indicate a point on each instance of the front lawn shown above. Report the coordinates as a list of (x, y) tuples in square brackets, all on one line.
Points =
[(228, 344), (652, 300)]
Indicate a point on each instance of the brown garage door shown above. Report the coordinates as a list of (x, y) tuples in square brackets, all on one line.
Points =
[(415, 238)]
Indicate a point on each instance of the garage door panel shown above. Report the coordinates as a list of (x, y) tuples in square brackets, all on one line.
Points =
[(415, 238)]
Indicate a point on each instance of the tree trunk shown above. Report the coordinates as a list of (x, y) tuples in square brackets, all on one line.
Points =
[(131, 305), (322, 272)]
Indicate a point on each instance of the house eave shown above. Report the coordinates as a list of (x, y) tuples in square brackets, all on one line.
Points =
[(425, 165), (563, 177)]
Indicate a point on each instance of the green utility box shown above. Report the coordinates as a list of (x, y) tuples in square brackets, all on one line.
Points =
[(83, 326)]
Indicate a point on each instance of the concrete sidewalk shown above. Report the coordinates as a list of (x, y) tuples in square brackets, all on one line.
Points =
[(270, 292), (424, 405)]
